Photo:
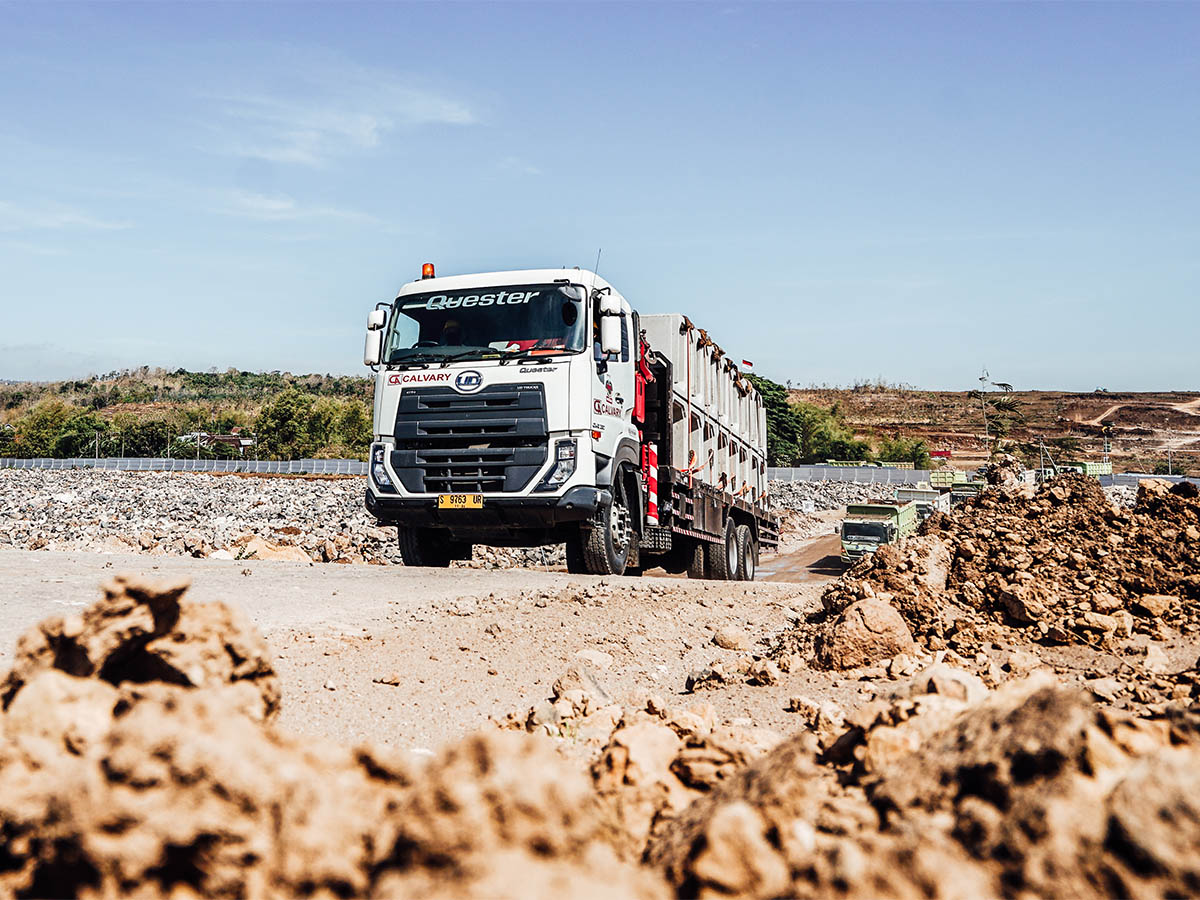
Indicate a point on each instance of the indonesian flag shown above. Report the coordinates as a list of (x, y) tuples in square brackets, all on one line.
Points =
[(747, 364)]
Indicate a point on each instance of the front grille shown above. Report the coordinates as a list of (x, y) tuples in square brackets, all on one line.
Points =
[(490, 441)]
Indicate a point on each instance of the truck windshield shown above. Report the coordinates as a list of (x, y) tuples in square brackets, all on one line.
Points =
[(534, 319), (864, 531)]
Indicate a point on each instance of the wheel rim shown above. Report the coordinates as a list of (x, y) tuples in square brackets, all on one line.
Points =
[(731, 554), (618, 522), (750, 564)]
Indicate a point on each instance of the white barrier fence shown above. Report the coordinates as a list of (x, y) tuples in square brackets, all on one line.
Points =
[(883, 475), (860, 474), (167, 464)]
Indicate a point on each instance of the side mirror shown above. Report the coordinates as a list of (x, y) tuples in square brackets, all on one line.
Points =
[(372, 349), (610, 305), (376, 319), (610, 335)]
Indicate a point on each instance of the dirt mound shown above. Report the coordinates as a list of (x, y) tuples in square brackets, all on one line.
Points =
[(143, 631), (134, 765), (1059, 564), (1033, 791)]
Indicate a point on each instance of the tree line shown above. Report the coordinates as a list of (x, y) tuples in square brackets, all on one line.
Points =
[(290, 424)]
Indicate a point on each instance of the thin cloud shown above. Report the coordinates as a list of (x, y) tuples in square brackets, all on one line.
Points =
[(334, 111), (282, 208), (15, 218), (518, 165)]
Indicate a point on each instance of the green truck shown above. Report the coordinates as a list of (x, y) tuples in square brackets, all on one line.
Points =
[(868, 526)]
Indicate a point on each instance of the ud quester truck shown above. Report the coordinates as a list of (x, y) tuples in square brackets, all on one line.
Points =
[(536, 407)]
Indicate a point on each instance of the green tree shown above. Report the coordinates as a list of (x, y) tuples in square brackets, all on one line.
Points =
[(898, 449), (83, 434), (782, 447), (38, 429), (283, 425), (354, 427)]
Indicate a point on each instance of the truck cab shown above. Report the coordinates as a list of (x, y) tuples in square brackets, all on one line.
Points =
[(511, 409), (868, 526)]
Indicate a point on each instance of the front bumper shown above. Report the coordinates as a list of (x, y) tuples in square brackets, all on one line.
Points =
[(853, 555), (498, 513)]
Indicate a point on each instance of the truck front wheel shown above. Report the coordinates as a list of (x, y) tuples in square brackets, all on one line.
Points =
[(425, 547), (723, 555), (602, 546)]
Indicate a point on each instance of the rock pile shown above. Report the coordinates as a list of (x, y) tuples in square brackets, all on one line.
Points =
[(1061, 561), (1055, 565)]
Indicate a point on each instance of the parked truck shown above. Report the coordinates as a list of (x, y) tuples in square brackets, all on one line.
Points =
[(536, 407), (928, 500), (868, 526)]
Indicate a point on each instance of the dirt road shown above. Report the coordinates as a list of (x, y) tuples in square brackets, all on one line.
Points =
[(463, 645), (816, 561)]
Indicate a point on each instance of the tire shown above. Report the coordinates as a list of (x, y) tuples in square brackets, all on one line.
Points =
[(747, 553), (424, 547), (697, 564), (723, 556), (606, 543)]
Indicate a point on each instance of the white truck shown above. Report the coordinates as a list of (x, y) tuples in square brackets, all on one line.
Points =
[(536, 407)]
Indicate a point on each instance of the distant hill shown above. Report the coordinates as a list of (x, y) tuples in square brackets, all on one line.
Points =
[(1140, 427)]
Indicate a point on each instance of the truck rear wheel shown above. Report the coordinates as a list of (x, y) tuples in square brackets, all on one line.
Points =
[(697, 562), (723, 555), (604, 545), (425, 547), (747, 553)]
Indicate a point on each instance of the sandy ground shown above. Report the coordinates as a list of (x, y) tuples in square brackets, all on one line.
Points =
[(463, 645)]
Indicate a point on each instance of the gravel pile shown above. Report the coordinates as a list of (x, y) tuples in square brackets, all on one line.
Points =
[(1122, 495), (814, 496), (201, 515)]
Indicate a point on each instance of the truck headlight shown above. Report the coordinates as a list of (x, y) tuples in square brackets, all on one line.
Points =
[(379, 471), (564, 465)]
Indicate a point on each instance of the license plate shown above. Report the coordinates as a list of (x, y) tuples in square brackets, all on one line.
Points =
[(460, 501)]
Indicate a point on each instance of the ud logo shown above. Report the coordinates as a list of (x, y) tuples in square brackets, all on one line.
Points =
[(468, 382)]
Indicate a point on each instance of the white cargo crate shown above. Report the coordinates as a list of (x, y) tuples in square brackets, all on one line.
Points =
[(718, 429)]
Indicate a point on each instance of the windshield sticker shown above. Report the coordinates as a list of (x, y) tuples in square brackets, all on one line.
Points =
[(455, 301), (419, 378)]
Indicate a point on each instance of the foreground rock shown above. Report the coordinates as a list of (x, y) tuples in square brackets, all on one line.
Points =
[(120, 779), (144, 632), (1032, 792), (126, 769)]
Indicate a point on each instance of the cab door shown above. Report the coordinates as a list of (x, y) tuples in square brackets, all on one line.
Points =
[(613, 387)]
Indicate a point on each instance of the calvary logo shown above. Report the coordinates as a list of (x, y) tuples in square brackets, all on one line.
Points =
[(468, 382)]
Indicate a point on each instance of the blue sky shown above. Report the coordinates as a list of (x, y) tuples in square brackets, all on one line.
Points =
[(837, 192)]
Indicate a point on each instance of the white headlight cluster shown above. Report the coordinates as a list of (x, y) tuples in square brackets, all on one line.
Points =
[(564, 465), (378, 471)]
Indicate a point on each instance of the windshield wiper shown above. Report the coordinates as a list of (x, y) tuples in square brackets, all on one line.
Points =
[(528, 353), (424, 358)]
